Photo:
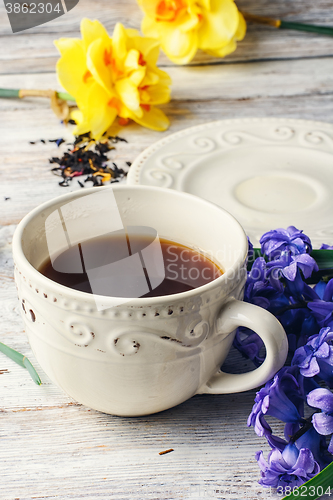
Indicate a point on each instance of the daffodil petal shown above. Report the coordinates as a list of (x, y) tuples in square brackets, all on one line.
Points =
[(132, 59), (71, 67), (231, 46), (144, 97), (163, 76), (241, 30), (204, 3), (99, 113), (179, 47), (82, 123), (149, 7), (191, 23), (223, 51), (154, 119), (158, 94), (132, 33), (218, 25), (149, 27), (128, 93), (99, 62), (78, 117), (82, 128), (137, 76), (148, 47), (65, 44), (151, 78), (119, 41), (91, 31)]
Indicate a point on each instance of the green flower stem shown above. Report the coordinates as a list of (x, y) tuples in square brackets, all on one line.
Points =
[(316, 487), (9, 93), (20, 360), (65, 96), (16, 93), (280, 24), (321, 30)]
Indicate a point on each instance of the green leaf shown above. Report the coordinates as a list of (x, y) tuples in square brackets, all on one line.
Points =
[(33, 374), (324, 258), (20, 360), (315, 487)]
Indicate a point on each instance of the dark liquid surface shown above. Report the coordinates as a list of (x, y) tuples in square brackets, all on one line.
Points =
[(130, 265)]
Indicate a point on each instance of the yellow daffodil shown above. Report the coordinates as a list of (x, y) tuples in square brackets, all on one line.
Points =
[(184, 26), (110, 77)]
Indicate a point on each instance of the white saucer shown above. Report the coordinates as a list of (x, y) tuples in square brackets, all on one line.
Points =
[(267, 172)]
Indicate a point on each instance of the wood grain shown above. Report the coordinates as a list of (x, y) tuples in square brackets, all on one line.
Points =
[(33, 50), (52, 447), (296, 89)]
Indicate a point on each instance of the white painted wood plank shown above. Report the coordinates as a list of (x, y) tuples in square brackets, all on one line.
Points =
[(76, 453), (112, 11), (299, 89), (33, 50), (51, 446), (36, 54), (232, 81), (55, 448), (26, 176), (271, 79)]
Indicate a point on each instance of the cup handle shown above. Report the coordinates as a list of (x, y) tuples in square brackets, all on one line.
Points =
[(237, 313)]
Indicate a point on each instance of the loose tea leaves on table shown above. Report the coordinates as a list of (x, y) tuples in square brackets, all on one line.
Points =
[(88, 157)]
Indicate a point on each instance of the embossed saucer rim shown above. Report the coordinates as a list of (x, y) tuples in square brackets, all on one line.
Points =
[(23, 265), (161, 164), (133, 174)]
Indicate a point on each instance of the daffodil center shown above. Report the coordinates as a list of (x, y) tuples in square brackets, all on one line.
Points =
[(86, 76), (107, 57), (114, 103), (141, 60), (168, 10)]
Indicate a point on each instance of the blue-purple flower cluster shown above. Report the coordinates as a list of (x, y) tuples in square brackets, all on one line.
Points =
[(299, 395)]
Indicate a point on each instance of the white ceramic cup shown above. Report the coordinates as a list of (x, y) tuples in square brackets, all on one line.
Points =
[(147, 354)]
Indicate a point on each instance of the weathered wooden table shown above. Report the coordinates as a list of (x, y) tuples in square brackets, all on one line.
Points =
[(52, 447)]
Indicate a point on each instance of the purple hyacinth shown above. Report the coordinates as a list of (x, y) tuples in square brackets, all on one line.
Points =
[(277, 283), (258, 289), (307, 328), (249, 344), (281, 398), (316, 357), (258, 272), (290, 240), (323, 422), (322, 306), (287, 265), (324, 291), (290, 467)]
